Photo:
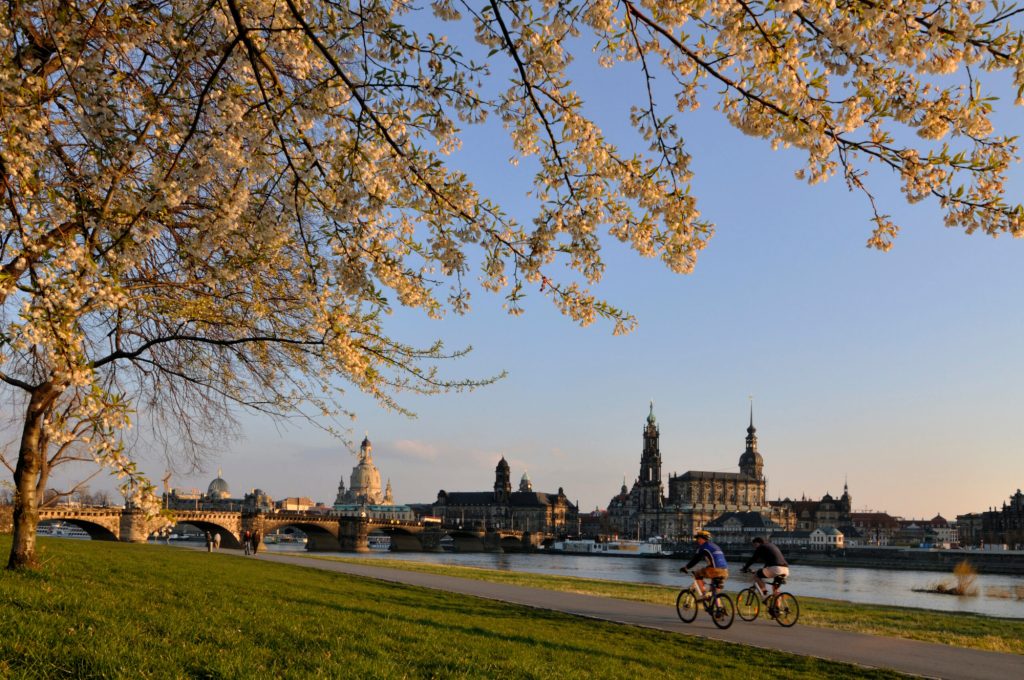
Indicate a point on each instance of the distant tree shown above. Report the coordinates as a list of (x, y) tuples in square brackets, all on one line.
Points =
[(217, 204), (51, 497), (100, 499)]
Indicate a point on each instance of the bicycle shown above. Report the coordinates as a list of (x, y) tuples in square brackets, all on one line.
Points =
[(783, 608), (719, 606)]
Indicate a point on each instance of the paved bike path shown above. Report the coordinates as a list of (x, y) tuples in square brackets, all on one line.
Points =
[(906, 656)]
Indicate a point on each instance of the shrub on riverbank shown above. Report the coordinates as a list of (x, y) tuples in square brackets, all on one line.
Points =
[(116, 610), (964, 585)]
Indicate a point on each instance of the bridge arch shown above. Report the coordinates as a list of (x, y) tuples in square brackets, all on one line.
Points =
[(512, 543), (228, 539), (96, 531), (320, 536)]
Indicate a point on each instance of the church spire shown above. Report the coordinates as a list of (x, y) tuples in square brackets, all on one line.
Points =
[(751, 430), (751, 463)]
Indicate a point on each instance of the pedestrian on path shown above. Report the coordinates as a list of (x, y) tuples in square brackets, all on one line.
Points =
[(216, 541), (209, 542), (247, 542)]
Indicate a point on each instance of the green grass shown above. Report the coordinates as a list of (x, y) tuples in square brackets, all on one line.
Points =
[(956, 629), (116, 610)]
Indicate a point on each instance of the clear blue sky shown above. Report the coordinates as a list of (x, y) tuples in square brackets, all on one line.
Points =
[(900, 372)]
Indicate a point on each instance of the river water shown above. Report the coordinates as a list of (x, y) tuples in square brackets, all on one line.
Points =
[(997, 595)]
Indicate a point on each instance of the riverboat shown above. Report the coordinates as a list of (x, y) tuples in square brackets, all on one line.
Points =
[(619, 548), (378, 542), (61, 530)]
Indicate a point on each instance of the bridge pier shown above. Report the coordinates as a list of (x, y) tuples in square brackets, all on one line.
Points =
[(402, 542), (134, 527), (354, 534), (430, 540), (492, 542)]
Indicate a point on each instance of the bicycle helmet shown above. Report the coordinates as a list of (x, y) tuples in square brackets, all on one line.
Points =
[(757, 540), (706, 535)]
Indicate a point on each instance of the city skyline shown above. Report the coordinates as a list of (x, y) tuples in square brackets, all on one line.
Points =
[(395, 451)]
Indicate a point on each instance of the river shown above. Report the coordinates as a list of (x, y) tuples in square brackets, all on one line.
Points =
[(997, 594)]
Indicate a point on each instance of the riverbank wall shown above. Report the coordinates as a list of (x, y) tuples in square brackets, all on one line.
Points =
[(1007, 563)]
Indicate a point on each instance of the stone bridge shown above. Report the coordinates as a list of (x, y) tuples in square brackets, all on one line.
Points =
[(107, 524), (325, 533)]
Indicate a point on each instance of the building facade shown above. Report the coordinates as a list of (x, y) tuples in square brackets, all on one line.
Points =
[(875, 528), (994, 527), (808, 514), (503, 508)]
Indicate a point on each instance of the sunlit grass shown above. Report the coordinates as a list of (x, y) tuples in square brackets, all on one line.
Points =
[(957, 629), (116, 610)]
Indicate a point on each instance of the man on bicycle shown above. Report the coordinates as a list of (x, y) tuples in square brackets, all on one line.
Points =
[(774, 564), (713, 558)]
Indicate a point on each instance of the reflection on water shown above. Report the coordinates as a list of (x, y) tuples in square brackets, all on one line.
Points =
[(875, 586)]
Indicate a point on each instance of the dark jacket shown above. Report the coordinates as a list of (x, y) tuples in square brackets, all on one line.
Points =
[(769, 554)]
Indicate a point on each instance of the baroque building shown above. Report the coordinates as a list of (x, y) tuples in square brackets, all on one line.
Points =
[(995, 527), (812, 514), (695, 498), (364, 497), (364, 482), (217, 497), (503, 508)]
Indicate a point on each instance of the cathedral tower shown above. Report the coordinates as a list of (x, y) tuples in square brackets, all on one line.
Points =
[(751, 463), (650, 467), (502, 481)]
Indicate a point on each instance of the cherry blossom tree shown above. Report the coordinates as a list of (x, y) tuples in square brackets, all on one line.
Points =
[(212, 205)]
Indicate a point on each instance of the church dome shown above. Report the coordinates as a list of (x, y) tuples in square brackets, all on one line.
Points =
[(364, 482), (218, 488), (502, 465), (365, 476)]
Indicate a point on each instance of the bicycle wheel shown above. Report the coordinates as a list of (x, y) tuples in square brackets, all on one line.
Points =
[(686, 606), (787, 609), (722, 611), (748, 604)]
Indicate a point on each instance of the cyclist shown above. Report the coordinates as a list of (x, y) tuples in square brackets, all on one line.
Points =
[(713, 558), (774, 564)]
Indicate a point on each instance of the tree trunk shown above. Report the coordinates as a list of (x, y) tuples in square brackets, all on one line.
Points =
[(26, 477)]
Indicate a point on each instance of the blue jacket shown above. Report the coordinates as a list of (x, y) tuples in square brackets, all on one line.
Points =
[(711, 554)]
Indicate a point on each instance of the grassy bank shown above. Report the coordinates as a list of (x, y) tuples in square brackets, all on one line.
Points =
[(118, 611), (960, 630)]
